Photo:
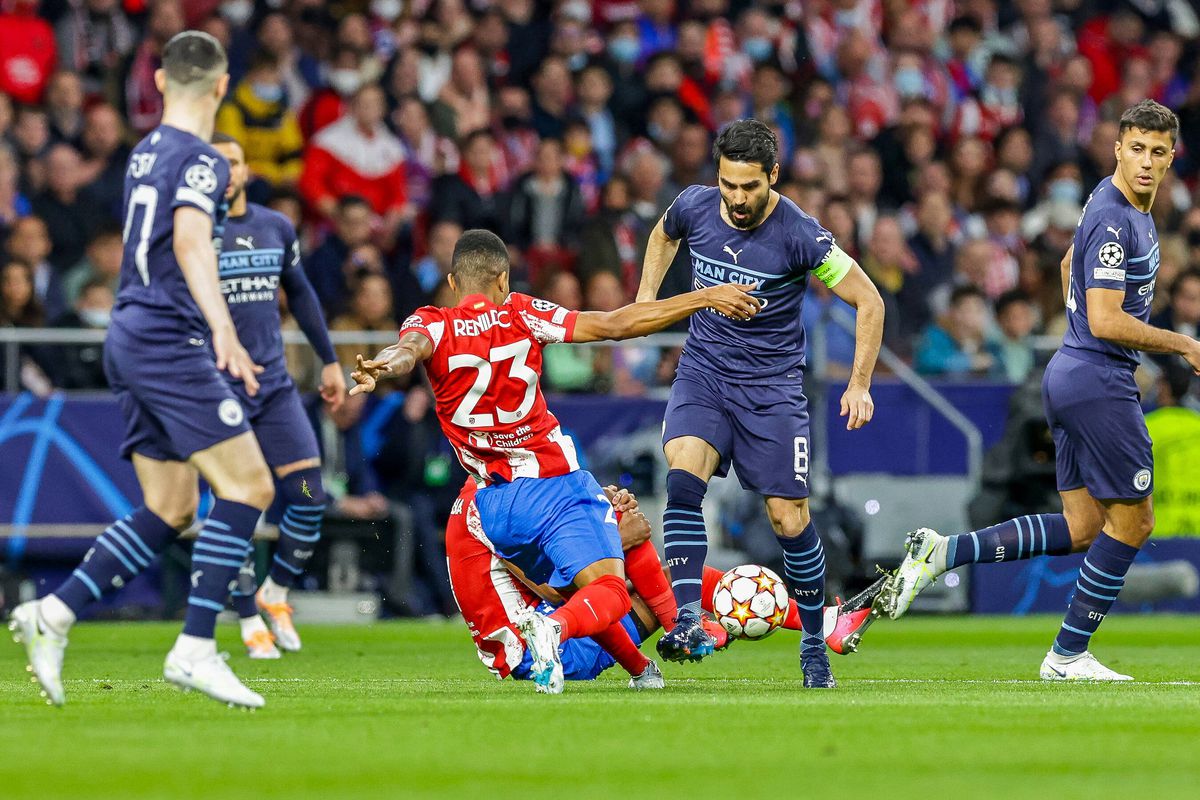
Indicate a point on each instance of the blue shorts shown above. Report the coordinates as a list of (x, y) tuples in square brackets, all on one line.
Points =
[(761, 429), (280, 423), (1100, 437), (174, 400), (550, 527), (582, 659)]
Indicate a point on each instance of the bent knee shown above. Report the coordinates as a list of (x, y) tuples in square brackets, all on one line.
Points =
[(257, 493), (789, 518)]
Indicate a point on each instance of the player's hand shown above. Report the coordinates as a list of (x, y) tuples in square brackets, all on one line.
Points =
[(858, 406), (333, 386), (233, 358), (733, 300), (622, 499), (366, 374), (634, 529)]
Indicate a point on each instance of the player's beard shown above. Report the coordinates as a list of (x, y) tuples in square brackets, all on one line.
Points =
[(237, 193), (754, 213)]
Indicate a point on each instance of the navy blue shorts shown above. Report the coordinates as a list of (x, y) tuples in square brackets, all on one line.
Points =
[(550, 527), (761, 429), (280, 423), (582, 659), (1100, 437), (174, 400)]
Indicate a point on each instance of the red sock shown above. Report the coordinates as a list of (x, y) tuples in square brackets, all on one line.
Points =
[(593, 608), (616, 642), (710, 578), (645, 571)]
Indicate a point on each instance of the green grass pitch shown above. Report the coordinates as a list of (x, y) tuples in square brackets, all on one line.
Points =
[(934, 708)]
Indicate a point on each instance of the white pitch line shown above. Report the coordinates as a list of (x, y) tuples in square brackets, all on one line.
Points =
[(684, 681)]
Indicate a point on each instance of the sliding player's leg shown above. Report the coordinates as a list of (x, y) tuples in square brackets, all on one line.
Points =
[(242, 485), (170, 494)]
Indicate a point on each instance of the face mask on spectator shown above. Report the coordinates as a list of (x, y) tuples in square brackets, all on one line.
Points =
[(1065, 189), (999, 97), (95, 317), (237, 12), (387, 10), (757, 48), (624, 50), (345, 81), (268, 92), (909, 82)]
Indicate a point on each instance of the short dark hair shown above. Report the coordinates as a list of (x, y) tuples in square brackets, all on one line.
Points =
[(964, 292), (1011, 297), (480, 256), (1190, 274), (1177, 380), (194, 58), (224, 138), (749, 141), (349, 201), (1149, 115), (109, 230)]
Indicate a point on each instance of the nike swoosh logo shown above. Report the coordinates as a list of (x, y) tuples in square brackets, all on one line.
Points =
[(1062, 674)]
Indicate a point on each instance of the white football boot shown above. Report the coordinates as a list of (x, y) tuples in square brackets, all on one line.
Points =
[(651, 678), (924, 562), (44, 650), (212, 676), (543, 636), (1083, 667)]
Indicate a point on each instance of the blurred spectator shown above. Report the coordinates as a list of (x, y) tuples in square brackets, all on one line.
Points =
[(29, 243), (431, 271), (613, 239), (1058, 138), (358, 155), (30, 133), (100, 264), (1016, 318), (567, 369), (1182, 314), (64, 107), (71, 214), (893, 268), (27, 51), (93, 37), (141, 98), (546, 211), (13, 204), (581, 164), (258, 115), (593, 90), (82, 366), (463, 105), (19, 308), (298, 69), (105, 154), (472, 196), (429, 153), (343, 79), (552, 91), (958, 346), (327, 265), (370, 310)]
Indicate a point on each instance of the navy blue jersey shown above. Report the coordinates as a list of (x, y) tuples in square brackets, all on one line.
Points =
[(259, 254), (779, 253), (1116, 247), (167, 170)]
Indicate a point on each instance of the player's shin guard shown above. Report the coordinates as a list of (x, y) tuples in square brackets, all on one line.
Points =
[(300, 528), (217, 556), (804, 570), (685, 542), (1016, 539), (121, 552), (1100, 581), (645, 572), (593, 608)]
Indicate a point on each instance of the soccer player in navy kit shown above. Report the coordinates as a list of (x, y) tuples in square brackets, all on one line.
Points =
[(1103, 456), (170, 338), (260, 254), (738, 393)]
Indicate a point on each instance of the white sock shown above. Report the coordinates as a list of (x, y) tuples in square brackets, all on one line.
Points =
[(193, 648), (1057, 658), (251, 626), (56, 615), (272, 592)]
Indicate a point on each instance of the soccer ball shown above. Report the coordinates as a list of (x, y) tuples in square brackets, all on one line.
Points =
[(750, 602)]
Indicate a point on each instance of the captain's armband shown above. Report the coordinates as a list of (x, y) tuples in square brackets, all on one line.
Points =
[(835, 267)]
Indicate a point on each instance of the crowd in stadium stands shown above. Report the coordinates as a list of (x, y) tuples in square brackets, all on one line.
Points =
[(949, 146)]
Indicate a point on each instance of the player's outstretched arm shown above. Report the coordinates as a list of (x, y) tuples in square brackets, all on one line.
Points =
[(192, 243), (393, 361), (642, 318), (660, 252), (306, 308), (1108, 320), (857, 290)]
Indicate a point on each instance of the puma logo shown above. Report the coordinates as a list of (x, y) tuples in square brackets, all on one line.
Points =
[(735, 255), (823, 237), (212, 162), (245, 241), (1114, 231)]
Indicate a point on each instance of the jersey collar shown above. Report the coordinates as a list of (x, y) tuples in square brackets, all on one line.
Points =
[(476, 302)]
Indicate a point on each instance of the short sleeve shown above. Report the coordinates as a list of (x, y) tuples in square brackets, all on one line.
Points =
[(812, 247), (428, 322), (201, 183), (1104, 237), (677, 220), (549, 322)]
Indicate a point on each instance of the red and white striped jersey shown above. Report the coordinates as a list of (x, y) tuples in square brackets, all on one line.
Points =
[(485, 371)]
